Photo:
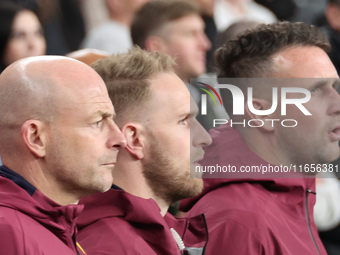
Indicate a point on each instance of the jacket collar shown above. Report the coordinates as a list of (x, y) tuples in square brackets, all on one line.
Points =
[(17, 179), (145, 215)]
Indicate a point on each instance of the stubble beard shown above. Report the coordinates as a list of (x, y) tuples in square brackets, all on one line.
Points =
[(165, 178)]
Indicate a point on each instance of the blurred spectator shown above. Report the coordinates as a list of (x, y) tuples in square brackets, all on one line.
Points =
[(283, 9), (21, 34), (331, 241), (174, 28), (95, 13), (308, 10), (328, 203), (72, 23), (233, 31), (62, 21), (114, 36), (207, 14), (332, 30), (230, 11)]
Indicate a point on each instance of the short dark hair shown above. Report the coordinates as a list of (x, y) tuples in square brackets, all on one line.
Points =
[(249, 55), (155, 14)]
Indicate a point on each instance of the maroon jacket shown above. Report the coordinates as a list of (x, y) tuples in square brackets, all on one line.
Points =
[(117, 222), (254, 216), (31, 223)]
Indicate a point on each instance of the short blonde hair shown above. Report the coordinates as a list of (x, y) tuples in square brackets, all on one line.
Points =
[(127, 77)]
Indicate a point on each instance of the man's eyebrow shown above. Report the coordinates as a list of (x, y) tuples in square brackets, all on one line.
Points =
[(105, 115), (187, 115), (321, 83)]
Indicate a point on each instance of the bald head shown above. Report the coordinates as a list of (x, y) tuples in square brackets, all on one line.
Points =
[(31, 88), (37, 88)]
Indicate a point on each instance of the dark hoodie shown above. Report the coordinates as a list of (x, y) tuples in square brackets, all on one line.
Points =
[(254, 216), (117, 222), (31, 223)]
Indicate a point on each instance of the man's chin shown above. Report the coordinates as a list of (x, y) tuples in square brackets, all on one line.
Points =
[(195, 170), (197, 186)]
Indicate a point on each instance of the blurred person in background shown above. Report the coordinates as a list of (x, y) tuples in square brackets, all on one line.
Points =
[(21, 34), (114, 36), (174, 28), (332, 13), (95, 13), (227, 12), (62, 21), (283, 9), (233, 31), (207, 14), (327, 210)]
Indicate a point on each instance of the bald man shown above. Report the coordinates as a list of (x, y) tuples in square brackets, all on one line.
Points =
[(58, 143)]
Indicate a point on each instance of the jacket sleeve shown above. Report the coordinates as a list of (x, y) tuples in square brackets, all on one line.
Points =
[(10, 238)]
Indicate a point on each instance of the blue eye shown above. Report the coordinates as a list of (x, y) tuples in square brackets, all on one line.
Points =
[(314, 91)]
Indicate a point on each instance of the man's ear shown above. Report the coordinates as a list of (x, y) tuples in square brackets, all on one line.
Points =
[(34, 134), (135, 139), (332, 14), (155, 43), (261, 121)]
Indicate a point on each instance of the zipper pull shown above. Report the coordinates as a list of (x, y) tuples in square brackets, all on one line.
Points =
[(178, 239), (310, 191)]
